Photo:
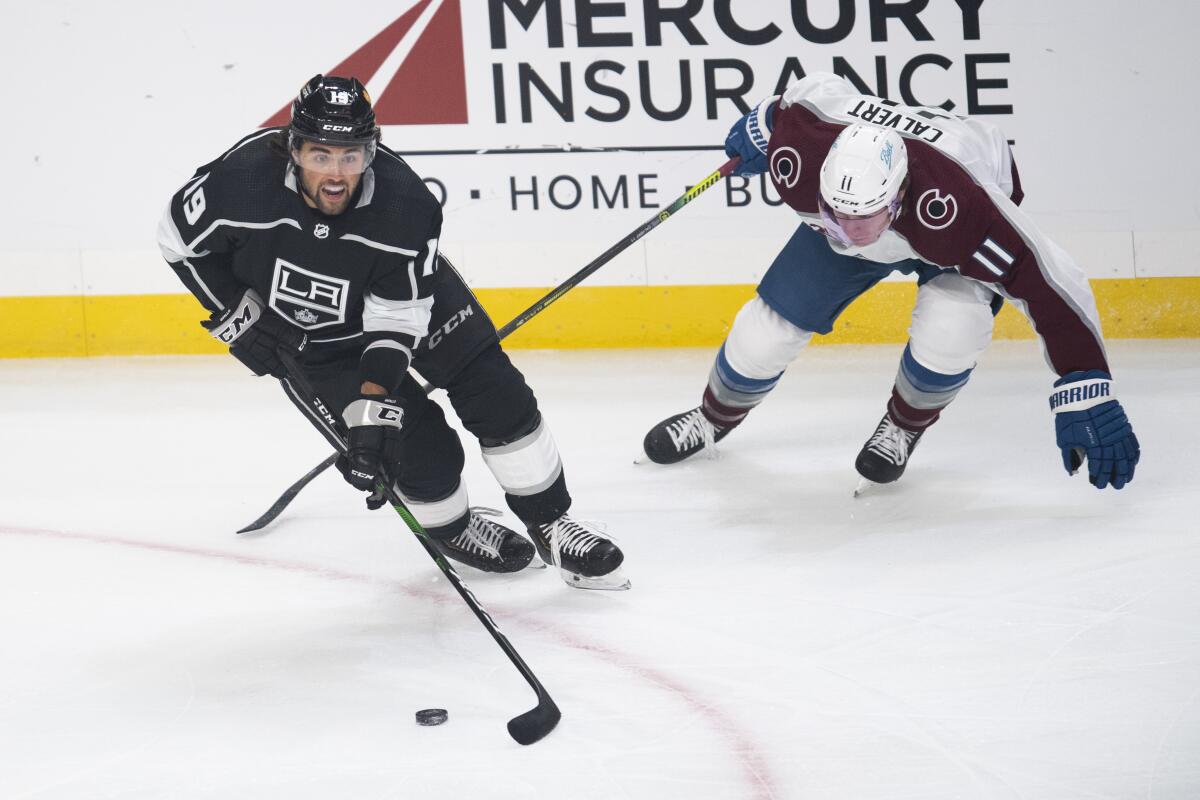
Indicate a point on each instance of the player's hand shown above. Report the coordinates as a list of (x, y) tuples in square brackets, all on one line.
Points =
[(749, 136), (1090, 424), (376, 427), (255, 334)]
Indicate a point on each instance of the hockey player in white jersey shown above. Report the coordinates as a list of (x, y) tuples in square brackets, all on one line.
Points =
[(317, 240), (882, 187)]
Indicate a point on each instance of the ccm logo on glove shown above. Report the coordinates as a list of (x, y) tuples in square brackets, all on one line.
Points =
[(373, 411), (255, 335), (247, 313)]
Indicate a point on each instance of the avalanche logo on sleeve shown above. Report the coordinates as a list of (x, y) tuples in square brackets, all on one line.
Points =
[(785, 166), (936, 210), (311, 299)]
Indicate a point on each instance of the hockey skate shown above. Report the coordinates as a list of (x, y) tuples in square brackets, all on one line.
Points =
[(583, 556), (885, 455), (680, 436), (488, 546)]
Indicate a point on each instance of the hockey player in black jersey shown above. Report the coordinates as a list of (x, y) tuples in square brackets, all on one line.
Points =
[(318, 240)]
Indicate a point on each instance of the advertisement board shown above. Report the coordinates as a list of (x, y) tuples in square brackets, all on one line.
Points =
[(550, 129)]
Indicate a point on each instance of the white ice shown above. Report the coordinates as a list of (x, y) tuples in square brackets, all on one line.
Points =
[(985, 628)]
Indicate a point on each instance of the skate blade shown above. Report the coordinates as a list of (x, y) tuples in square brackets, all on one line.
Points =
[(863, 487), (614, 581), (641, 457)]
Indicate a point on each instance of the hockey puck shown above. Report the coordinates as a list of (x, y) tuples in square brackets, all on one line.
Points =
[(431, 716)]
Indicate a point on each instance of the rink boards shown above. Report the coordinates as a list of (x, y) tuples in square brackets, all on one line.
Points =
[(587, 317), (549, 131)]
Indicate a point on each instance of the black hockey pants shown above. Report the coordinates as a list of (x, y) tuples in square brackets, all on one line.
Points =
[(490, 396)]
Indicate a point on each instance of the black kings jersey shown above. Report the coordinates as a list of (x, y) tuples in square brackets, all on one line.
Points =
[(366, 274)]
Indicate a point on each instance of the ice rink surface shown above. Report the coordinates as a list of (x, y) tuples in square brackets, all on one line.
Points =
[(985, 628)]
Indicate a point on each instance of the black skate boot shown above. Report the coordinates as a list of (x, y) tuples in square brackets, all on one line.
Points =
[(885, 455), (677, 437), (585, 557), (488, 546)]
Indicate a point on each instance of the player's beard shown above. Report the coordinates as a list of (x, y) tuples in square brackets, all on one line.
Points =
[(312, 185)]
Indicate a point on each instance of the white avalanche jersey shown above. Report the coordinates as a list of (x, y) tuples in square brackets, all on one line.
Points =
[(960, 209)]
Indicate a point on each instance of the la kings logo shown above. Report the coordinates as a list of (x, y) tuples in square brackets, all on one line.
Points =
[(312, 299)]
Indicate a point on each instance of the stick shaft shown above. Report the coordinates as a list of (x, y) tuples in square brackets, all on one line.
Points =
[(548, 713), (608, 255), (570, 283)]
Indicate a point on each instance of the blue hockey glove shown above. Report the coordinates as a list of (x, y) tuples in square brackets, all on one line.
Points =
[(749, 136), (1091, 424)]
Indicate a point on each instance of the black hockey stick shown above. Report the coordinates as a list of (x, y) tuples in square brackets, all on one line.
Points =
[(608, 255), (570, 283), (289, 495), (525, 728)]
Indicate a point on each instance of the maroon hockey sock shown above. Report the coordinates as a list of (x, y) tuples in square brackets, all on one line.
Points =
[(722, 417), (909, 418)]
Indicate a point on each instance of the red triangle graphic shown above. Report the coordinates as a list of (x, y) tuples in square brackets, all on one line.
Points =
[(430, 88), (364, 62)]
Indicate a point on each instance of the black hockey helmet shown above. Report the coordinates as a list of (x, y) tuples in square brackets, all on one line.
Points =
[(335, 111)]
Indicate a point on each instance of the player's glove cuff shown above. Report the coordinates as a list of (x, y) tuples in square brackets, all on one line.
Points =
[(750, 137), (374, 410), (1079, 391), (229, 325)]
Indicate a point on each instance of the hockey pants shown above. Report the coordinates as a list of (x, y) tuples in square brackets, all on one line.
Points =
[(951, 326)]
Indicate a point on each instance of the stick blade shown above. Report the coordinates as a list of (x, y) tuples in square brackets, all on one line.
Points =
[(534, 724), (288, 496), (262, 521), (275, 510)]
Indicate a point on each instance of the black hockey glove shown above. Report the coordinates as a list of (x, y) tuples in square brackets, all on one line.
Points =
[(376, 428), (254, 334)]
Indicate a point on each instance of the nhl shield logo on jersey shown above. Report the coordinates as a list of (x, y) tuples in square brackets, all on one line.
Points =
[(312, 299), (321, 231)]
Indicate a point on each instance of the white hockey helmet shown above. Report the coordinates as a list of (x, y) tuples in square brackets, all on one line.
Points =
[(864, 171)]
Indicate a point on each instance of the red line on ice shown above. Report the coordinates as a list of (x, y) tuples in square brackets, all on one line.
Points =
[(754, 764)]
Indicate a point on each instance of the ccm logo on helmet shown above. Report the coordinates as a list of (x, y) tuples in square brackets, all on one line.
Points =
[(337, 128)]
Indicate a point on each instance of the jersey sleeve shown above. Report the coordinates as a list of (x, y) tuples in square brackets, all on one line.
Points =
[(197, 249), (1046, 284), (815, 87), (397, 308), (1002, 247)]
